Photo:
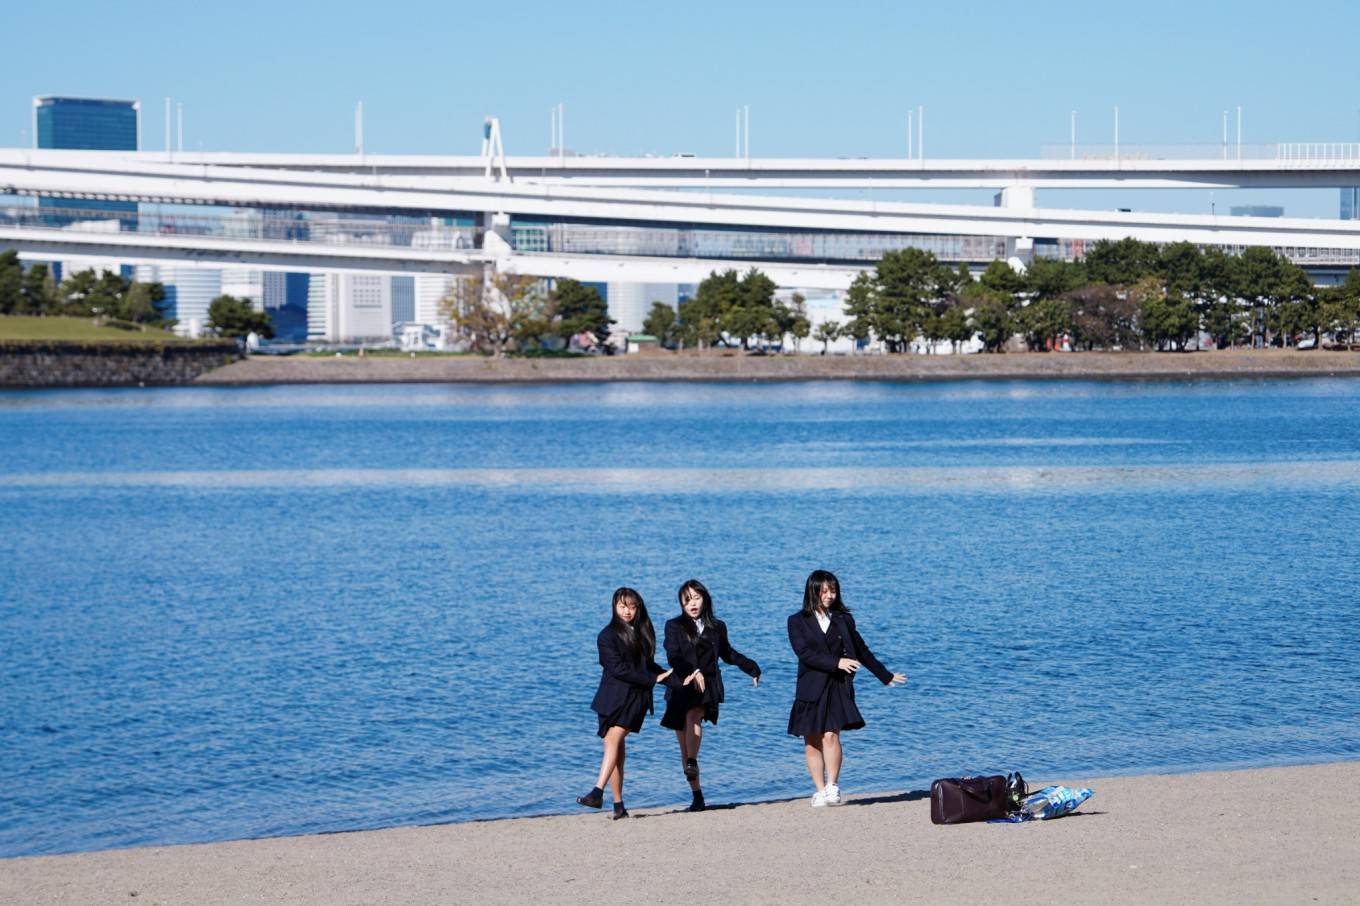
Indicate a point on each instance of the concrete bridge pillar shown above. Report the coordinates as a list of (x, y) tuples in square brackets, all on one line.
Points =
[(1019, 250)]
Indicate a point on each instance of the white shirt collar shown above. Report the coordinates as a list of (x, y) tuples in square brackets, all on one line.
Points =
[(823, 619)]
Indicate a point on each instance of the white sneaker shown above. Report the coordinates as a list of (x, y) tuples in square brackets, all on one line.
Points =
[(832, 793), (819, 799)]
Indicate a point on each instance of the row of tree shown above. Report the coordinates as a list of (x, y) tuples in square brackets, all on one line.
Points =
[(84, 294), (1123, 294), (497, 313), (109, 296)]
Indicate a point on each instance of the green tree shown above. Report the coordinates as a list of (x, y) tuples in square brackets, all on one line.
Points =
[(954, 326), (229, 316), (1000, 277), (1044, 322), (661, 323), (706, 313), (1104, 317), (580, 308), (798, 326), (1168, 321), (989, 314), (1121, 262), (11, 283), (492, 309), (1339, 309), (910, 287), (85, 294), (826, 332), (141, 304), (39, 292)]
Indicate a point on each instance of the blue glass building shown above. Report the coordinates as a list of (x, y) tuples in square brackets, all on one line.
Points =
[(86, 124)]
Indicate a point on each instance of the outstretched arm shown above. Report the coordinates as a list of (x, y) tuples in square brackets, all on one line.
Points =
[(885, 676), (735, 657)]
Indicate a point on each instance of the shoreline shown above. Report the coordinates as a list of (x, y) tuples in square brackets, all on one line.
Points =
[(735, 367), (1265, 835)]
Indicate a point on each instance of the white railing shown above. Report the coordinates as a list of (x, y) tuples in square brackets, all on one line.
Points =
[(1318, 151)]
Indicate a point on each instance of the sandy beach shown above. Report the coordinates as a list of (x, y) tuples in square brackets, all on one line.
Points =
[(1275, 835), (733, 366)]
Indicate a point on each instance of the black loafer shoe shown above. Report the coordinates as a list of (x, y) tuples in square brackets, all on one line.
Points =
[(691, 768), (589, 800)]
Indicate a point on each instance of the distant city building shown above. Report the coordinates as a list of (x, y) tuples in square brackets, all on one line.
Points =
[(188, 293), (348, 307), (403, 299), (430, 290), (1256, 210), (85, 124), (630, 303), (1350, 203)]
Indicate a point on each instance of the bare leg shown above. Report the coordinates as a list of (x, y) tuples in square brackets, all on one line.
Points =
[(816, 764), (613, 754), (831, 745), (694, 737), (616, 778)]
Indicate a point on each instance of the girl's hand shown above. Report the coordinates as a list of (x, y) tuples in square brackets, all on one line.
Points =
[(661, 677), (755, 681), (897, 679), (848, 665), (698, 680)]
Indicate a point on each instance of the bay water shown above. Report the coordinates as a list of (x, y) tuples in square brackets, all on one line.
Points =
[(245, 612)]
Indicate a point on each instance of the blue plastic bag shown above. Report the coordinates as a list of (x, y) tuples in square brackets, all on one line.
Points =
[(1053, 802)]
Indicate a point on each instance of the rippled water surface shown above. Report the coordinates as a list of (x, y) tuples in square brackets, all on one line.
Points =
[(255, 611)]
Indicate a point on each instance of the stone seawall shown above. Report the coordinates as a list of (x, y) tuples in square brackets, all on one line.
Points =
[(55, 363)]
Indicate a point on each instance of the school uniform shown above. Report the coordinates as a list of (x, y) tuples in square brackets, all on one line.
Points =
[(825, 696), (624, 697), (685, 655)]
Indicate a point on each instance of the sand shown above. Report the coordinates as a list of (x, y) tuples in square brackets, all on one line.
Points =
[(734, 366), (1276, 835)]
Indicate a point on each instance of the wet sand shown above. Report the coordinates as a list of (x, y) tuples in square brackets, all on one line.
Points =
[(1275, 835), (734, 366)]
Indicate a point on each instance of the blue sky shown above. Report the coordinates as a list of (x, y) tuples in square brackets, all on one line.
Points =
[(996, 79)]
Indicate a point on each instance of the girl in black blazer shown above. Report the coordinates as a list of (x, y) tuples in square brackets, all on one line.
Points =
[(695, 641), (830, 651), (627, 649)]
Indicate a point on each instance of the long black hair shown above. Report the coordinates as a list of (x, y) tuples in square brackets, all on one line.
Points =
[(705, 613), (638, 637), (812, 592)]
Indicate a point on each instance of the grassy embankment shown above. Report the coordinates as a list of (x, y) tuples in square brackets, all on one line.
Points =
[(27, 328)]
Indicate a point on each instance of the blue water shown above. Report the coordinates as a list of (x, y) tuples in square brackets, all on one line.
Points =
[(245, 612)]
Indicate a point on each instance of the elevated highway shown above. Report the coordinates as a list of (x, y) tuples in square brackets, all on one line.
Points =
[(138, 178), (1292, 166)]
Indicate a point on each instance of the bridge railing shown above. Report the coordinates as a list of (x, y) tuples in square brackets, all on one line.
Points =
[(413, 232), (1230, 151), (661, 242)]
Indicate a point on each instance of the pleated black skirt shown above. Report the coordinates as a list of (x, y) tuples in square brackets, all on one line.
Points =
[(629, 715), (834, 710), (682, 700)]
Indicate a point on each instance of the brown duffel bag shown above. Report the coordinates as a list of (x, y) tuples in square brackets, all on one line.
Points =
[(956, 800)]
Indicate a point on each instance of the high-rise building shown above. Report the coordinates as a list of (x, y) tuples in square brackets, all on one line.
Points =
[(86, 124), (188, 293), (430, 290), (630, 303), (346, 307), (1350, 203)]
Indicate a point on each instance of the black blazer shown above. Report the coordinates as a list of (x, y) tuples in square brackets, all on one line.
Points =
[(818, 654), (686, 655), (623, 676)]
